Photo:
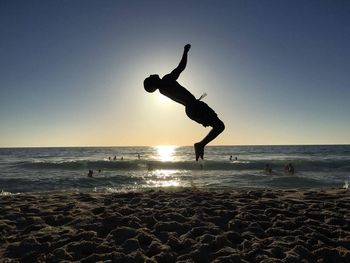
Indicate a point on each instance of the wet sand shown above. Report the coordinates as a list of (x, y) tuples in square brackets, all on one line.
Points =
[(184, 225)]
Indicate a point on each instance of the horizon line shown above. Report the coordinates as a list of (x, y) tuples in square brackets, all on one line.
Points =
[(218, 145)]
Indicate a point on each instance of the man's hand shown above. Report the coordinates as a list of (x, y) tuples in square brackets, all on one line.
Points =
[(187, 47)]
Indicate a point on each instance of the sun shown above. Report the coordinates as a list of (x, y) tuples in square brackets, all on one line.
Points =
[(166, 152)]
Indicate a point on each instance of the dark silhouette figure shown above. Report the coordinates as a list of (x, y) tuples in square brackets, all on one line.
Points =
[(289, 168), (91, 172), (195, 109), (231, 158)]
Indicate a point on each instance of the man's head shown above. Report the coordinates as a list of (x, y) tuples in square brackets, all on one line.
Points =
[(151, 84)]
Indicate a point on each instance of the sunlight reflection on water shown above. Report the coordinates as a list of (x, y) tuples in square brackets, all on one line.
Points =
[(163, 178)]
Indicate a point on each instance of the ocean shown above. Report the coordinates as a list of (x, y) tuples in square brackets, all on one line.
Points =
[(117, 169)]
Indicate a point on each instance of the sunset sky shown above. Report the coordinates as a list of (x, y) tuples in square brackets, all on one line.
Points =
[(71, 72)]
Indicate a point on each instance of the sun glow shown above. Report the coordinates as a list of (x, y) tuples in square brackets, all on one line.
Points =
[(162, 99), (166, 152)]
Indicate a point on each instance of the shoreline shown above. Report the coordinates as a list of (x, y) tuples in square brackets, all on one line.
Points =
[(193, 188), (177, 225)]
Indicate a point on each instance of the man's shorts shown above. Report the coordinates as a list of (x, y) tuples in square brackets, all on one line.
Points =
[(200, 112)]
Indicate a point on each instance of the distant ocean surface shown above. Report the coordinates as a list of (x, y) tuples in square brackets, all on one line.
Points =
[(129, 168)]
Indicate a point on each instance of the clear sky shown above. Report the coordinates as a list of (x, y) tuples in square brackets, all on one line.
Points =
[(71, 72)]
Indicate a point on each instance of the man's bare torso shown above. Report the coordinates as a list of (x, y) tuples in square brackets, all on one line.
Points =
[(172, 89)]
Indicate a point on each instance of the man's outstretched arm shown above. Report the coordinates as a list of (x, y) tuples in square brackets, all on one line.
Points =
[(182, 65)]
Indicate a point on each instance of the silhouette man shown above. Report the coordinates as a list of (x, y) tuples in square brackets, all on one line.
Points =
[(195, 109)]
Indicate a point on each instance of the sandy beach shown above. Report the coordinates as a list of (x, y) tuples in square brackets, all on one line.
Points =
[(183, 225)]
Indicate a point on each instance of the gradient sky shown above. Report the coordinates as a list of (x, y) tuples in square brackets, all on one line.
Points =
[(71, 72)]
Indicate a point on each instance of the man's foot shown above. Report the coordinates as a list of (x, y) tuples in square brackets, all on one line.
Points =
[(199, 150)]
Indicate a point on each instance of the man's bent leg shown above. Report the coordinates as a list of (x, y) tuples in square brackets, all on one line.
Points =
[(218, 128)]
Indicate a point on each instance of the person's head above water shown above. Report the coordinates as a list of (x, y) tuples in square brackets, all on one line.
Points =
[(151, 84)]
